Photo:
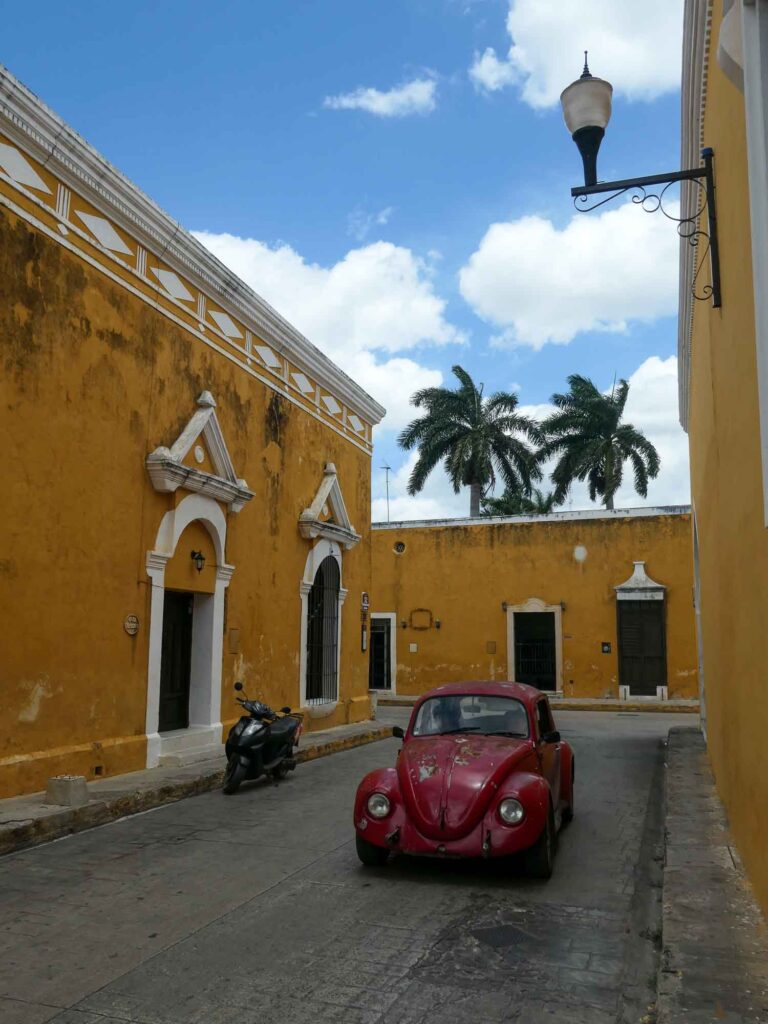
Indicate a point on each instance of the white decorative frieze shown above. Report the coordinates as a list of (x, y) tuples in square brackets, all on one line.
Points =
[(19, 169)]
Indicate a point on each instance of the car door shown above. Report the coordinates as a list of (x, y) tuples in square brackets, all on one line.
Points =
[(549, 753)]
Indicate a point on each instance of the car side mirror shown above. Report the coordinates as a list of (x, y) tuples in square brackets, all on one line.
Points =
[(238, 686), (397, 732), (551, 737), (285, 711)]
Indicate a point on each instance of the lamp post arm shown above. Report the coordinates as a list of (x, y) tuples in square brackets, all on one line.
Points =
[(652, 198), (627, 183)]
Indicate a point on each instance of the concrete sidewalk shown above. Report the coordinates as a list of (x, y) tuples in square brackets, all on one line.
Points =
[(577, 704), (714, 962), (28, 820)]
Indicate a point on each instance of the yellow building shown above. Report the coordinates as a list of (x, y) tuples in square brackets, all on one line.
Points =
[(186, 496), (724, 403), (586, 604)]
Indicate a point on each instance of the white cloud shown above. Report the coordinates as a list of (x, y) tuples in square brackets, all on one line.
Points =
[(360, 221), (363, 312), (416, 97), (602, 271), (636, 47), (651, 408)]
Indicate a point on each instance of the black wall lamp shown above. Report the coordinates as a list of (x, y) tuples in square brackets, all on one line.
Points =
[(199, 559), (587, 110)]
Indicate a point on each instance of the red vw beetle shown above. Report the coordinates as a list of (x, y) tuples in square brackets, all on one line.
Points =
[(482, 773)]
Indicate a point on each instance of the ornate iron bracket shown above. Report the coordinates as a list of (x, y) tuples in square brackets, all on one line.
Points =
[(648, 195)]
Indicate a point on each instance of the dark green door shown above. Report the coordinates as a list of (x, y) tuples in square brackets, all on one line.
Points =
[(176, 661), (535, 660)]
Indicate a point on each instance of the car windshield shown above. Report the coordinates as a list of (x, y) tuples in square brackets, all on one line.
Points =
[(471, 713)]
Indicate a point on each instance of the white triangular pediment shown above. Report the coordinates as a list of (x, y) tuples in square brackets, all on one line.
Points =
[(168, 472), (327, 516)]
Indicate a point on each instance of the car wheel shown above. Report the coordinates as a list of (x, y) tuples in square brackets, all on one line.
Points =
[(568, 811), (370, 855), (540, 858)]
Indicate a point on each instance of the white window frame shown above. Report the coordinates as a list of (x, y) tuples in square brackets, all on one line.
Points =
[(320, 551)]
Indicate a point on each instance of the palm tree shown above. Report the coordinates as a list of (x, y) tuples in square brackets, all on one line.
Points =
[(591, 442), (474, 437), (512, 503)]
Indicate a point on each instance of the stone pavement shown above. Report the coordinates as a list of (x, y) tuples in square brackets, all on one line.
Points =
[(27, 820), (714, 964), (232, 910)]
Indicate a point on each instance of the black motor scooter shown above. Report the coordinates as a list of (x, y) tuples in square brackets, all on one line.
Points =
[(261, 743)]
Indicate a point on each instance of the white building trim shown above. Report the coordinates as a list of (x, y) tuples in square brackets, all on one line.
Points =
[(584, 515), (696, 32), (392, 616), (319, 551), (754, 20), (640, 586), (167, 470), (311, 522), (207, 634), (535, 604), (42, 133)]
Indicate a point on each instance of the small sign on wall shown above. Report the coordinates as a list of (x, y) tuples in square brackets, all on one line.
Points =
[(131, 624), (413, 648)]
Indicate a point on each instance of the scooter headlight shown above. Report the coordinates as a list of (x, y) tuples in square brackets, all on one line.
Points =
[(511, 812), (378, 805)]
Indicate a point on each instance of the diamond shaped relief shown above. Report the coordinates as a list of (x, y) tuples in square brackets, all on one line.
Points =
[(226, 324), (356, 423), (19, 169), (173, 284), (331, 405), (303, 383), (103, 231), (268, 357)]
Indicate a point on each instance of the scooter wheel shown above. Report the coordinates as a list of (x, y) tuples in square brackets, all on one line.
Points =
[(233, 776), (280, 772)]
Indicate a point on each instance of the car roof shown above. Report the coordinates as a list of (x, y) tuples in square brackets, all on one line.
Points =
[(527, 694)]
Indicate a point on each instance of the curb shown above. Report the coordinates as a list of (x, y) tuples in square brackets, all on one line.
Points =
[(32, 832)]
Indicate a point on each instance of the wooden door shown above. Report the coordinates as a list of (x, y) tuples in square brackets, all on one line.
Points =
[(642, 646), (176, 661)]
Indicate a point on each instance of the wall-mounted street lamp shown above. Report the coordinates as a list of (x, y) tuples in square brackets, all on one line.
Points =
[(587, 110), (199, 559)]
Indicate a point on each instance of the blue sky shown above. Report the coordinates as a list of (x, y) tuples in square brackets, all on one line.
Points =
[(423, 222)]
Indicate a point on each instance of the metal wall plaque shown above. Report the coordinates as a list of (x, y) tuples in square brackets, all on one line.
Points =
[(131, 624)]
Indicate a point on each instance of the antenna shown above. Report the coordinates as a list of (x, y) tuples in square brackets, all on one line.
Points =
[(388, 470)]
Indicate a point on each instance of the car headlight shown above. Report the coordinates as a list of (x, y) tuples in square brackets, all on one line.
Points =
[(511, 812), (378, 805)]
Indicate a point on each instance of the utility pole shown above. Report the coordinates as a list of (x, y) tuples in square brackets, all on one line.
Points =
[(388, 471)]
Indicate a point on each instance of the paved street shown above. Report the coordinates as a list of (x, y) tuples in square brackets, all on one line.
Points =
[(254, 908)]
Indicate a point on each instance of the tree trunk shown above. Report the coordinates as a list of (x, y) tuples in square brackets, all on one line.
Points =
[(475, 494), (609, 479)]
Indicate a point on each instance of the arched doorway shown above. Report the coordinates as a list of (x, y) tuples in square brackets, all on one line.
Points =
[(323, 633), (322, 599), (185, 632)]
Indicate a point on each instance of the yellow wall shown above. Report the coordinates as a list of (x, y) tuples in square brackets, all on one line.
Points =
[(726, 475), (93, 380), (463, 573)]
